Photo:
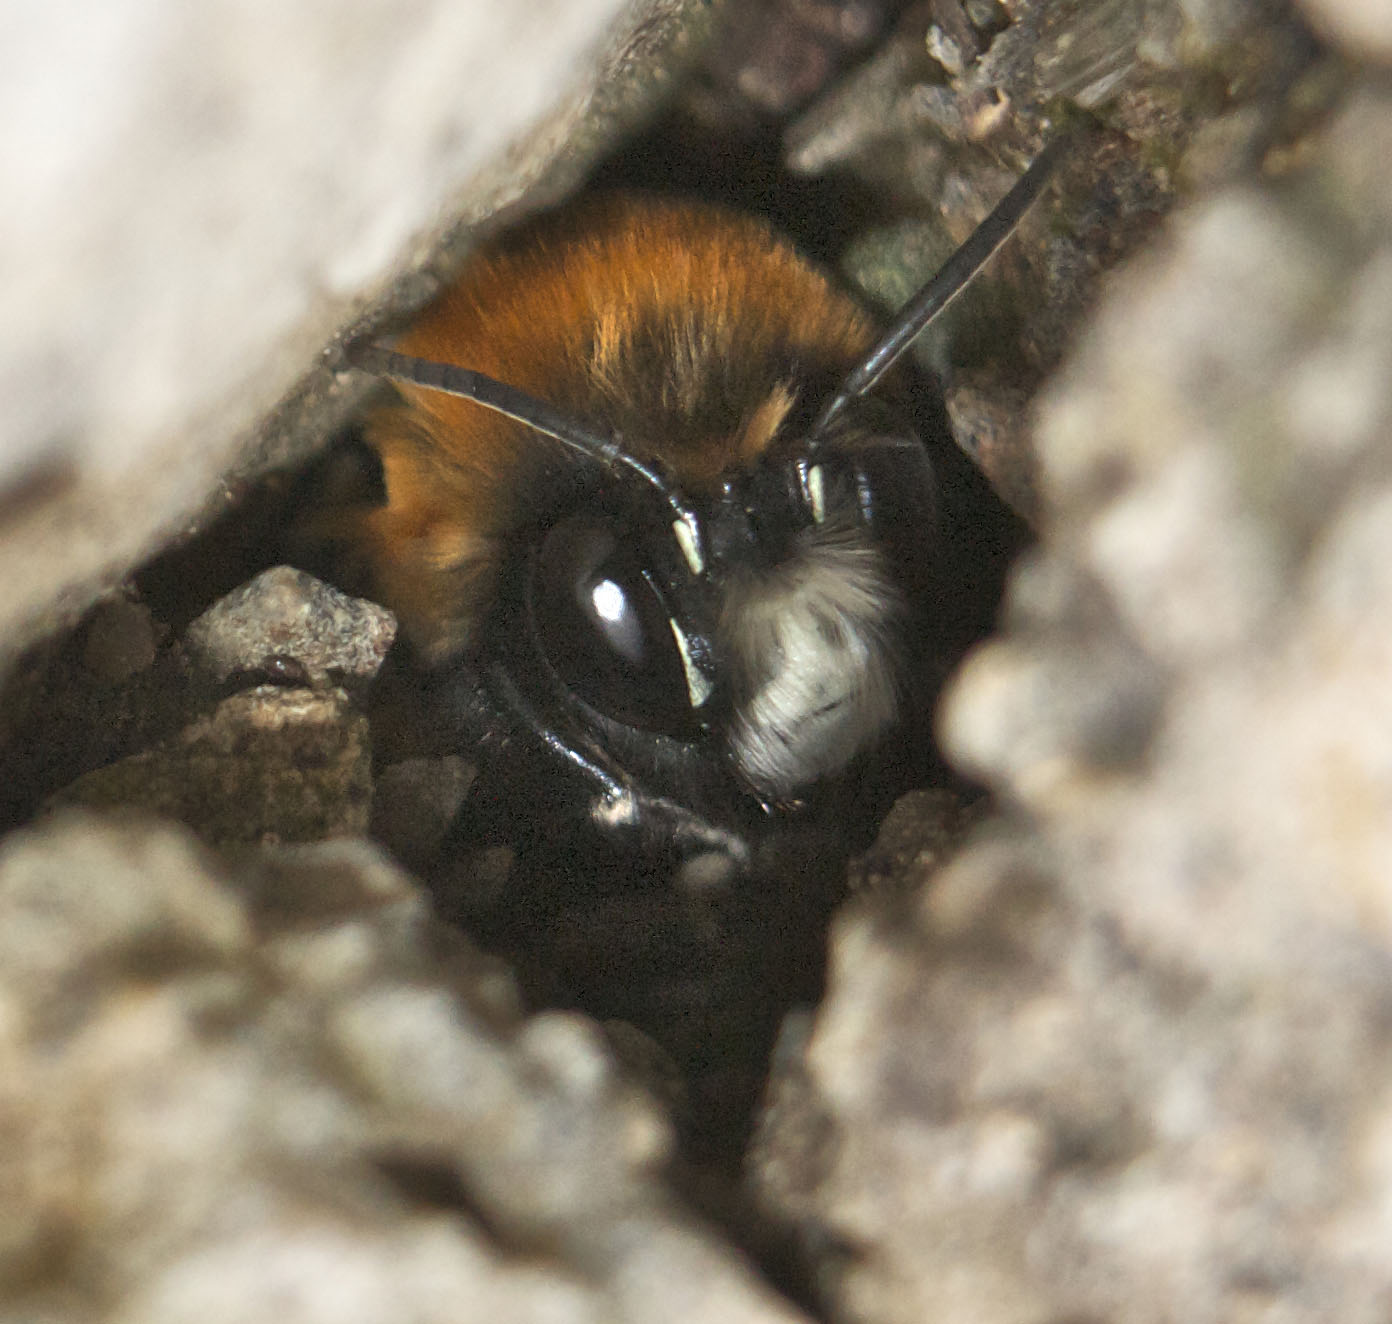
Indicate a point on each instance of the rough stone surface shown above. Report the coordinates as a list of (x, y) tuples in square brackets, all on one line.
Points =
[(122, 640), (1161, 99), (1123, 1056), (146, 716), (286, 620), (113, 686), (413, 804), (1128, 1056), (279, 1091), (770, 57), (201, 199), (920, 834), (269, 764)]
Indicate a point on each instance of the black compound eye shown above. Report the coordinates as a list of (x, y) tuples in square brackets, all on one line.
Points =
[(604, 631)]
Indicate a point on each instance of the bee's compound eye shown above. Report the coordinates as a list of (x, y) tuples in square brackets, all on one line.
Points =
[(603, 628)]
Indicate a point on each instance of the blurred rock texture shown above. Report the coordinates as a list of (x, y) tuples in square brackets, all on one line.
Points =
[(279, 1091), (1127, 1057), (1124, 1056), (199, 198)]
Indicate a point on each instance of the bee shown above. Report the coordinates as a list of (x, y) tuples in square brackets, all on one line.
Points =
[(672, 566)]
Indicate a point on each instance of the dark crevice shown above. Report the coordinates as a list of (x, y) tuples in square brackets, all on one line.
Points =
[(707, 979)]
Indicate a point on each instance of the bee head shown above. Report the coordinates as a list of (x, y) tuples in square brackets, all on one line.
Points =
[(683, 666), (679, 657)]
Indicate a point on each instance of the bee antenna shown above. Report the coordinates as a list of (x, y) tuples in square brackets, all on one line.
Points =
[(955, 275), (517, 405)]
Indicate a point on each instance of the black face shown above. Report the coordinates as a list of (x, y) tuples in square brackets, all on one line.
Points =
[(627, 688)]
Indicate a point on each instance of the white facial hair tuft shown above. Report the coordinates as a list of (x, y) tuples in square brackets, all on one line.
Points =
[(814, 649)]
